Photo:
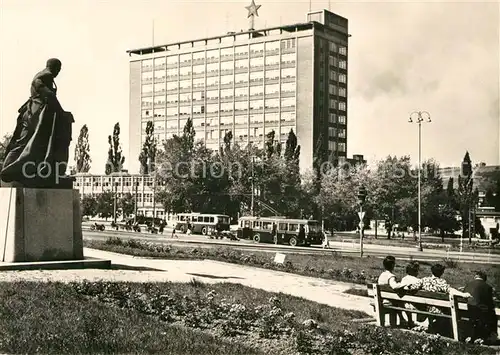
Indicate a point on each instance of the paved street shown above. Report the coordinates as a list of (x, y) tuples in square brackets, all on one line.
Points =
[(347, 248)]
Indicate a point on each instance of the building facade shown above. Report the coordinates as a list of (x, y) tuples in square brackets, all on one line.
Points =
[(250, 83), (139, 186)]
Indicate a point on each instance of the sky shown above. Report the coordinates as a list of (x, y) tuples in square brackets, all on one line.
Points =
[(440, 57)]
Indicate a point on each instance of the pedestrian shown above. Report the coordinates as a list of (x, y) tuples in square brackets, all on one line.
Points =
[(481, 307)]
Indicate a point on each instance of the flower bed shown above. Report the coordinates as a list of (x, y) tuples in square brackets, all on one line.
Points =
[(273, 322)]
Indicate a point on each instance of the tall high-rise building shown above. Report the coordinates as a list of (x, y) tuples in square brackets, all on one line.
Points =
[(284, 78)]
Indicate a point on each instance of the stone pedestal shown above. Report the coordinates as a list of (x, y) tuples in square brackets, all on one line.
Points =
[(38, 225)]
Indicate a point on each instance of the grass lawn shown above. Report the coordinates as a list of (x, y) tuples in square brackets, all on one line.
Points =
[(194, 318), (341, 268)]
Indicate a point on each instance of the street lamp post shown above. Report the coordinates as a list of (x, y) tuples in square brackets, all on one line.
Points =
[(420, 117), (136, 186), (253, 189), (115, 185), (361, 214)]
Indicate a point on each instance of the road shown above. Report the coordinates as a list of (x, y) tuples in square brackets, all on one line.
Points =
[(344, 248)]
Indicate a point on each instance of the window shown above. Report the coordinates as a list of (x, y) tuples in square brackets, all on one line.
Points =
[(256, 90), (213, 81), (288, 87), (288, 58), (239, 92), (172, 111), (198, 55), (288, 102), (342, 106), (272, 46), (212, 67), (342, 64), (333, 47), (256, 104), (272, 89), (212, 94), (241, 78), (226, 107), (282, 226), (333, 104), (288, 43), (257, 62), (288, 73), (343, 78), (256, 76), (342, 92), (241, 50), (332, 118), (147, 89), (343, 50), (198, 69), (211, 54), (272, 74), (333, 75), (332, 60), (241, 106), (332, 146), (212, 108), (272, 60), (272, 103), (341, 147), (332, 132), (341, 133), (226, 79), (293, 227), (226, 66), (173, 59), (226, 93), (332, 89), (342, 119)]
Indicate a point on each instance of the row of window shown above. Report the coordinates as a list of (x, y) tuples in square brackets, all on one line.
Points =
[(336, 90), (269, 89), (216, 53), (337, 105), (335, 132), (336, 146), (334, 119)]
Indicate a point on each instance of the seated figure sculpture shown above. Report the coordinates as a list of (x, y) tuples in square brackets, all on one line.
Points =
[(37, 154)]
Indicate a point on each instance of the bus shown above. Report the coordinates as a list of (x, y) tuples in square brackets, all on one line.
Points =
[(201, 223), (280, 230)]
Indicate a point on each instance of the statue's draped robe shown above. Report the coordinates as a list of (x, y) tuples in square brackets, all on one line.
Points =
[(39, 148)]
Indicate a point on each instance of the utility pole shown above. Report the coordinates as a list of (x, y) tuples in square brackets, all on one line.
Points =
[(136, 197), (420, 118), (361, 214), (253, 189), (115, 185)]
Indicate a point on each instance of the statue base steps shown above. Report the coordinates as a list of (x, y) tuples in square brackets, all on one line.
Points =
[(40, 226)]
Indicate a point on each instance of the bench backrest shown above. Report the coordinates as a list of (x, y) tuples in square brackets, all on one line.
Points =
[(420, 297)]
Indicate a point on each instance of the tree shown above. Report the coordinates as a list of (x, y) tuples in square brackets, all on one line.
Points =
[(105, 204), (115, 158), (82, 151), (127, 204), (3, 147), (149, 148), (465, 194), (88, 205)]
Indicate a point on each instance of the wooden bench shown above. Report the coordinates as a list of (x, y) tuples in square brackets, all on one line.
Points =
[(456, 306)]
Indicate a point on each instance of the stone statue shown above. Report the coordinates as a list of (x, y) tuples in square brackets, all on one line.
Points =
[(37, 155)]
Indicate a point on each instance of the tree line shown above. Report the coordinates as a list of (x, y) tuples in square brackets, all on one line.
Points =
[(190, 177)]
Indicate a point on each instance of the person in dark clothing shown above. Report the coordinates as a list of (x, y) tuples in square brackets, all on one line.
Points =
[(481, 307)]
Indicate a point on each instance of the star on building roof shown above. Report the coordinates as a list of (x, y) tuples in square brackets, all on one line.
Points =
[(252, 9)]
